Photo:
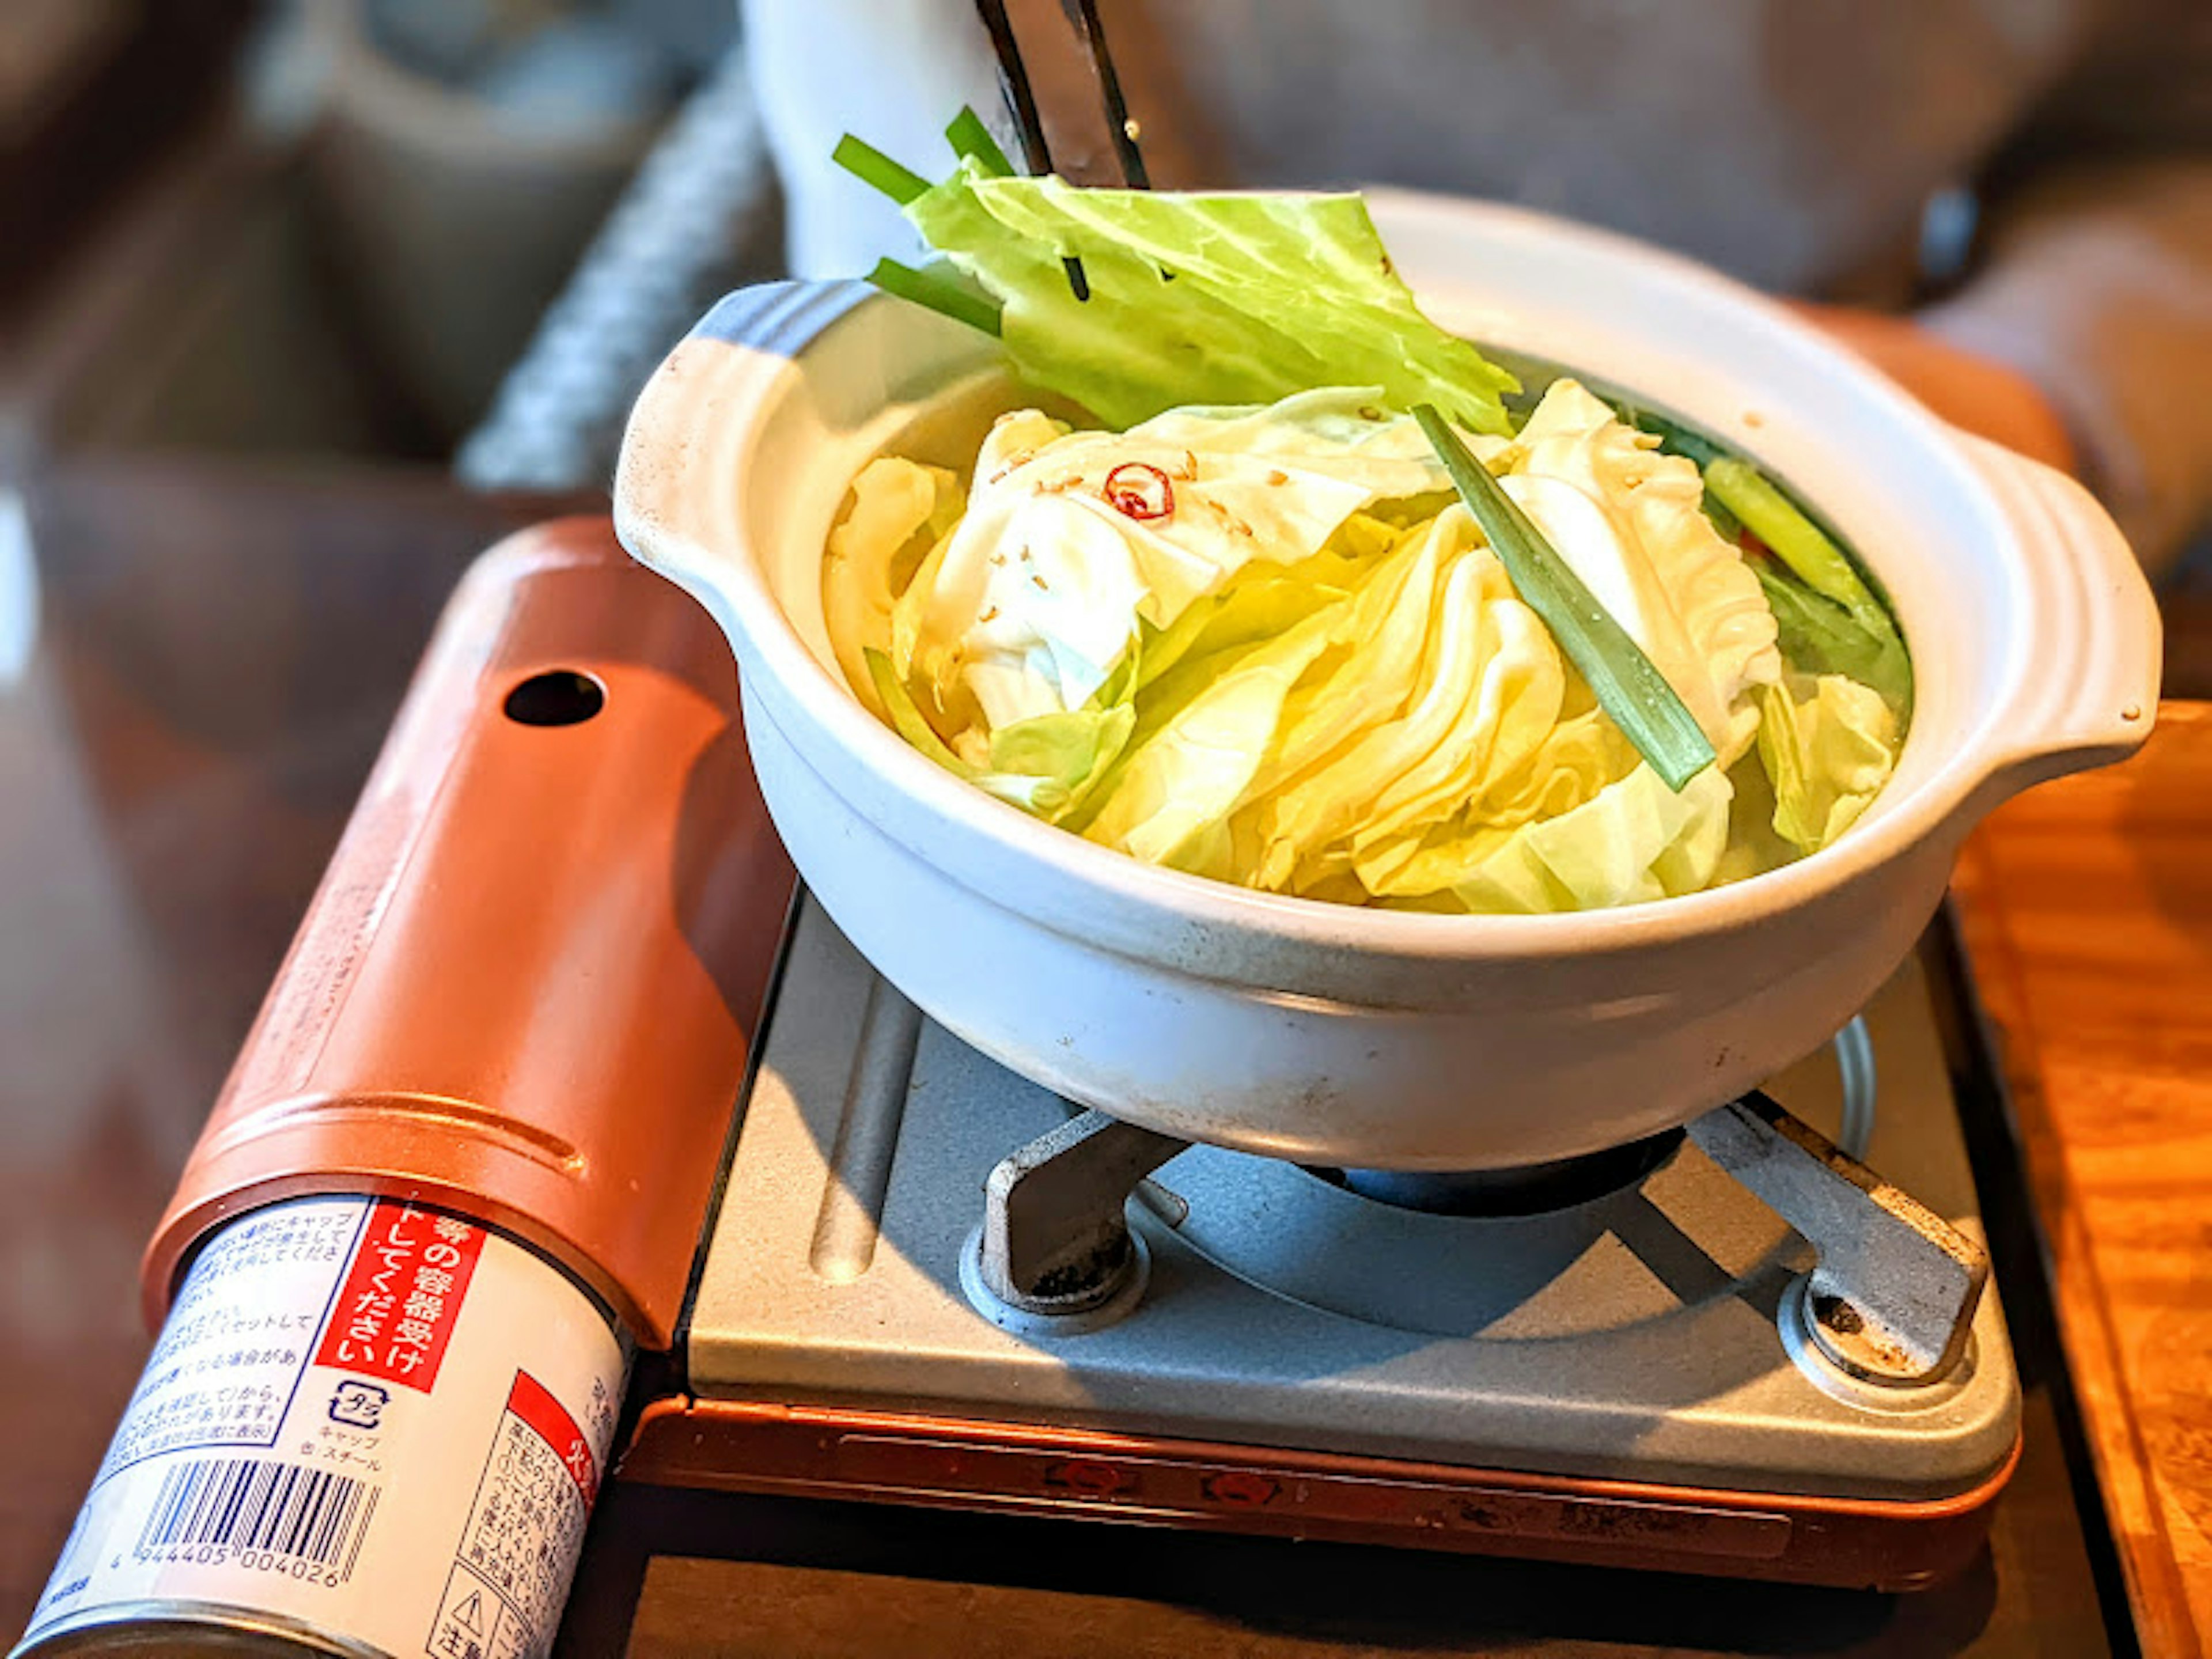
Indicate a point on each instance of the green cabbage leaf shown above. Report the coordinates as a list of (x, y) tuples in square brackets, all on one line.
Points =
[(1199, 299)]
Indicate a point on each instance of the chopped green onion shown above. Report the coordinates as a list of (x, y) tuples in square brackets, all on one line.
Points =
[(1796, 540), (935, 287), (1629, 686), (1854, 630), (1818, 635), (971, 141), (872, 166)]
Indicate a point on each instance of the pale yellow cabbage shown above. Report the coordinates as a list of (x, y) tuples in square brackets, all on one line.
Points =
[(1312, 675)]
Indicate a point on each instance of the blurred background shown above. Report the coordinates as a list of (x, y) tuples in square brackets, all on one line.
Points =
[(326, 263), (268, 273), (327, 229)]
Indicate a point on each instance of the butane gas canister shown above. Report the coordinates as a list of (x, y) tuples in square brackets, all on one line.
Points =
[(367, 1427), (459, 1170)]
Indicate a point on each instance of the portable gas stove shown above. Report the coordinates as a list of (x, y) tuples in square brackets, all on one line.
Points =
[(916, 1287)]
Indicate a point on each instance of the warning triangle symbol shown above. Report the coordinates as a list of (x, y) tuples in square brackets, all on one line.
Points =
[(470, 1614)]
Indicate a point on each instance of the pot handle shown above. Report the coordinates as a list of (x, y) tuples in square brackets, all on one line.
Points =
[(2093, 699), (684, 438)]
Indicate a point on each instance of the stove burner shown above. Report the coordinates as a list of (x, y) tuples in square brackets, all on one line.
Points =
[(1562, 1248), (1526, 1190), (1666, 1232)]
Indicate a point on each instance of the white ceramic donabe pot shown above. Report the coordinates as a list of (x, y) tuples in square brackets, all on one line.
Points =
[(1353, 1036)]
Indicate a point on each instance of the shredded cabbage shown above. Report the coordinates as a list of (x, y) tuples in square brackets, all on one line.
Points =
[(1827, 753), (1299, 667)]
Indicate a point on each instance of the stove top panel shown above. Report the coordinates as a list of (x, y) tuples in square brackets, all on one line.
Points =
[(1631, 1336)]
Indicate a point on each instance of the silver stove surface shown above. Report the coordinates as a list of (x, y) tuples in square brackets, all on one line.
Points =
[(1631, 1337)]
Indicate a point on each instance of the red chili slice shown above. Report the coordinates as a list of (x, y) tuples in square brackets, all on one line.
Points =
[(1139, 490)]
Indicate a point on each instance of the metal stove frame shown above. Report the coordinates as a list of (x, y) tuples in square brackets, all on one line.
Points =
[(789, 1430)]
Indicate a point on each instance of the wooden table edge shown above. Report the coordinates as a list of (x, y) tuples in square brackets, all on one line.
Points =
[(2158, 1584)]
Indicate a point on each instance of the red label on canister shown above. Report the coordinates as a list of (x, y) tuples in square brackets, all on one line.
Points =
[(401, 1295), (270, 1475), (551, 1423)]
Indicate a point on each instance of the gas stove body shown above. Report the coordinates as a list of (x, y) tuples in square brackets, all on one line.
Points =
[(1619, 1377)]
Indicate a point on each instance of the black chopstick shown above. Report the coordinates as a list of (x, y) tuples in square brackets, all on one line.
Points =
[(1028, 125), (1119, 127), (1014, 78)]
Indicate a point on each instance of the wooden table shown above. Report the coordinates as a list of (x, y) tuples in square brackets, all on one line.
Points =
[(2087, 911)]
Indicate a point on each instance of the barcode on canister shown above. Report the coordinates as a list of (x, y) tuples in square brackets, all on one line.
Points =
[(258, 1506)]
